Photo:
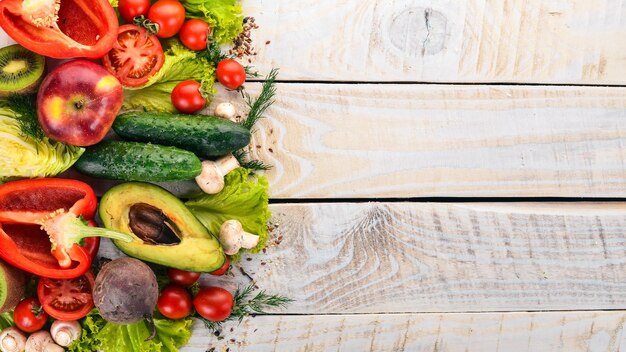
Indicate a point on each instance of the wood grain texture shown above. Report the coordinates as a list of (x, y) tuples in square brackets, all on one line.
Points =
[(509, 332), (575, 41), (372, 140), (433, 257)]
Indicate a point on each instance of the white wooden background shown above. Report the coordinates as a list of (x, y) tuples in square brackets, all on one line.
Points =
[(386, 106)]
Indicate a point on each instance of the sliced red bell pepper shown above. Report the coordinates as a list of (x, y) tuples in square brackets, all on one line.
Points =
[(42, 222), (61, 28)]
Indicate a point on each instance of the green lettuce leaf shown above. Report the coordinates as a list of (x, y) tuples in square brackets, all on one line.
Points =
[(6, 320), (244, 198), (224, 16), (100, 335), (180, 64), (26, 157)]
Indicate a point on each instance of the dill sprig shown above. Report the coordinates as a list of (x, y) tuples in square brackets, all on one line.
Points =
[(25, 108), (262, 102), (242, 157), (244, 306)]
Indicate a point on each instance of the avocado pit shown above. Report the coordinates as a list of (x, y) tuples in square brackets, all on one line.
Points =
[(152, 226)]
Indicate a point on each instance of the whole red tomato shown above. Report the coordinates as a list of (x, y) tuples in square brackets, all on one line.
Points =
[(230, 74), (29, 315), (221, 271), (174, 302), (67, 299), (182, 277), (213, 303), (169, 15), (129, 9), (194, 33), (187, 98)]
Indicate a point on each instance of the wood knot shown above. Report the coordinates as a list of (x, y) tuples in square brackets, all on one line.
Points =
[(418, 31)]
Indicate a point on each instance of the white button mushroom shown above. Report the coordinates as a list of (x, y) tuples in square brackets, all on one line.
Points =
[(65, 332), (12, 340), (41, 341), (233, 237), (211, 178), (226, 110)]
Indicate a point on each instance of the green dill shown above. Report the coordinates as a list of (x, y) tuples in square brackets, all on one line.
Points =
[(255, 165), (262, 102), (25, 108)]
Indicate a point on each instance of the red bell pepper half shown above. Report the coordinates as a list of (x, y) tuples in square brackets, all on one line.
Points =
[(61, 28), (42, 222)]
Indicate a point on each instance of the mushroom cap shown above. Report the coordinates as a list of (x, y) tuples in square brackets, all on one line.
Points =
[(12, 339), (38, 341), (65, 332), (210, 180), (231, 233), (226, 110)]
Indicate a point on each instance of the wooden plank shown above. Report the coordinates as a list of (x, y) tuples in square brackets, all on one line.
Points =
[(509, 332), (342, 141), (433, 257), (529, 41)]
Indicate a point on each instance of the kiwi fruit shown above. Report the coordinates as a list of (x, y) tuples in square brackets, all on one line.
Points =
[(21, 70), (12, 286)]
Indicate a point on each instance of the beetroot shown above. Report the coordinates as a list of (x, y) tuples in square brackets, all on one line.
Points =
[(126, 292)]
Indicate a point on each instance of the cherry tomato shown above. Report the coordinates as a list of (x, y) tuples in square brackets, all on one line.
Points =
[(129, 9), (213, 303), (174, 302), (221, 271), (169, 14), (135, 57), (66, 299), (187, 98), (194, 33), (182, 277), (230, 74), (29, 315)]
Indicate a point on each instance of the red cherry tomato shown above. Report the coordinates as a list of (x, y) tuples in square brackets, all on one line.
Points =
[(29, 315), (230, 74), (187, 98), (66, 299), (135, 57), (174, 302), (182, 277), (194, 33), (221, 271), (169, 14), (213, 303), (129, 9)]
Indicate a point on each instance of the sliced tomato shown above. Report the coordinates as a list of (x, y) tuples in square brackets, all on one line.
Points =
[(61, 29), (66, 299), (135, 57)]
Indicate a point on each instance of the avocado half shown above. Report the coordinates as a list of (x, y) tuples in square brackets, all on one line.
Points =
[(165, 232)]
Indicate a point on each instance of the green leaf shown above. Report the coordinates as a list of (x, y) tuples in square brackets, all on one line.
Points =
[(224, 16), (244, 198), (180, 64), (6, 320), (98, 334)]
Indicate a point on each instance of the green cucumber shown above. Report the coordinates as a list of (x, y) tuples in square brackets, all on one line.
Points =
[(131, 161), (206, 136)]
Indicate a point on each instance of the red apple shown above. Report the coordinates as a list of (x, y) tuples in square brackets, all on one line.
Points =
[(77, 103)]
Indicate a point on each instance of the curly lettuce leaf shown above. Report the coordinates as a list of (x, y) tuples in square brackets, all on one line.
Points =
[(26, 157), (244, 198), (180, 64), (100, 335), (224, 16)]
